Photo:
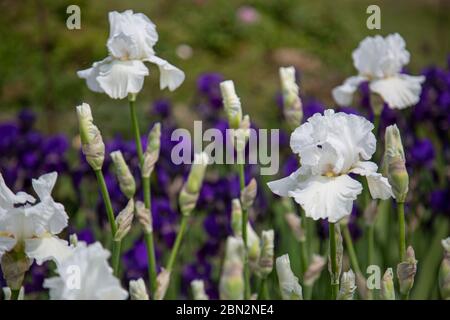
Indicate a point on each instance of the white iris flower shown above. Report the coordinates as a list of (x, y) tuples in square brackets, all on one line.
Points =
[(130, 44), (30, 226), (380, 60), (331, 147)]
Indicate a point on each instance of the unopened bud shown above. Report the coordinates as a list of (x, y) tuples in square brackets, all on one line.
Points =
[(231, 104), (236, 217), (7, 293), (138, 291), (339, 256), (253, 247), (314, 270), (292, 105), (387, 285), (394, 160), (126, 179), (162, 283), (241, 136), (198, 290), (444, 271), (151, 154), (289, 287), (124, 220), (248, 194), (348, 286), (14, 266), (267, 253), (91, 138), (73, 239), (144, 217), (295, 224), (406, 271), (231, 286), (191, 189)]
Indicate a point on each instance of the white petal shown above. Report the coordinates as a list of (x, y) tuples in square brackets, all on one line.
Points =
[(44, 185), (8, 199), (47, 248), (399, 92), (327, 197), (343, 94), (6, 244), (91, 74), (140, 30), (379, 186), (122, 46), (380, 57), (119, 78), (47, 216), (283, 186), (170, 76)]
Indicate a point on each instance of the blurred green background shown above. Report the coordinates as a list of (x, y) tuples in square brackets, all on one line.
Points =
[(39, 56)]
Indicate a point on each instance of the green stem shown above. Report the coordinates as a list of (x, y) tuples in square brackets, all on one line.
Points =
[(263, 293), (15, 294), (116, 257), (401, 226), (111, 219), (135, 127), (244, 236), (177, 244), (334, 268), (371, 244), (304, 257), (149, 241), (350, 249)]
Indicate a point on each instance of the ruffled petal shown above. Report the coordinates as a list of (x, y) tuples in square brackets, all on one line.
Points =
[(379, 186), (343, 94), (47, 248), (170, 76), (399, 92), (139, 29), (327, 197), (47, 216), (119, 78)]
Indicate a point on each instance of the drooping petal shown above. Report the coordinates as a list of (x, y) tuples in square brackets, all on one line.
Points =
[(91, 74), (44, 185), (119, 78), (47, 248), (140, 30), (399, 92), (327, 197), (343, 94), (379, 186), (170, 76), (282, 187), (47, 216)]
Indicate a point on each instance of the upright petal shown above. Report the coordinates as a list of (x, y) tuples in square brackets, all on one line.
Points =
[(119, 78), (327, 197), (47, 248), (170, 76), (343, 94), (8, 199), (399, 92), (44, 185)]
